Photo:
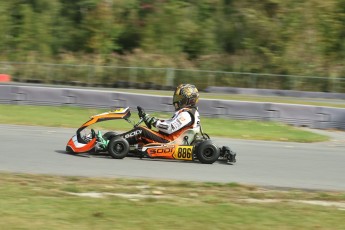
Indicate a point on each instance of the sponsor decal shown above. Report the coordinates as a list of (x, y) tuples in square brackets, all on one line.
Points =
[(134, 133), (119, 110), (161, 151), (175, 125), (163, 126)]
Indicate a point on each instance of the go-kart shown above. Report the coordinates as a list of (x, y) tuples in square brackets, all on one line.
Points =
[(189, 146)]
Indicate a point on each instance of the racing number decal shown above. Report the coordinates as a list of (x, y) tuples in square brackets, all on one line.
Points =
[(184, 153)]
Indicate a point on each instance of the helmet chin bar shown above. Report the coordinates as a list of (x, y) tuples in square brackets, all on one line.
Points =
[(176, 105)]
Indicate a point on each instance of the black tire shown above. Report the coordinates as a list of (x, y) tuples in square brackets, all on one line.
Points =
[(69, 149), (109, 135), (118, 148), (207, 152)]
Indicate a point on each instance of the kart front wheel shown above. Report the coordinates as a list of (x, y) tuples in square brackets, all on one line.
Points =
[(207, 152), (69, 149), (118, 148)]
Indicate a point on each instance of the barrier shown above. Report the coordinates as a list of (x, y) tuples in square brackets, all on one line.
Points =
[(298, 115), (274, 92)]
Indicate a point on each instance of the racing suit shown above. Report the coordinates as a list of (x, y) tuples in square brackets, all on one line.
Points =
[(168, 130)]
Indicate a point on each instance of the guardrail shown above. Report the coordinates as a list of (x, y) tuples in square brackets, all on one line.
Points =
[(162, 78), (298, 115)]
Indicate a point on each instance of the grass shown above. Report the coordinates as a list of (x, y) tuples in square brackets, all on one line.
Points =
[(73, 117), (47, 202)]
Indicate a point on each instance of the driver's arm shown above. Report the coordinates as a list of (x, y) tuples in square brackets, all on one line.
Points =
[(175, 123)]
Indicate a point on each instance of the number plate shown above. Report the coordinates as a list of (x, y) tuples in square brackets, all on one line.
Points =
[(184, 152)]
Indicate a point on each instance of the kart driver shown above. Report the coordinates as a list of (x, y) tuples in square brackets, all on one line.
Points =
[(186, 117)]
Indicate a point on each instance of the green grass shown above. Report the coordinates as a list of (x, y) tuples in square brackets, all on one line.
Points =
[(74, 117), (46, 202)]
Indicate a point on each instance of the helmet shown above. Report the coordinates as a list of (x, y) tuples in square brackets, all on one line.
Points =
[(185, 95)]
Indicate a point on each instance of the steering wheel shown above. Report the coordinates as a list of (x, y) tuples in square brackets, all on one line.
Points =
[(142, 114)]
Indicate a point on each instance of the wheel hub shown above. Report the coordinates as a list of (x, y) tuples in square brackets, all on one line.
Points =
[(118, 148), (208, 153)]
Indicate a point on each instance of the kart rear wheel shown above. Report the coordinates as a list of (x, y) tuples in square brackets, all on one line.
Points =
[(118, 148), (207, 152)]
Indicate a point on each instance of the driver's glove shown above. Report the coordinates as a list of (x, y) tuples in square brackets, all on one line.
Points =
[(147, 118), (141, 112), (150, 120)]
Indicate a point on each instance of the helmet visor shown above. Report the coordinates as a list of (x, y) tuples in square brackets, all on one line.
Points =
[(177, 101), (177, 98)]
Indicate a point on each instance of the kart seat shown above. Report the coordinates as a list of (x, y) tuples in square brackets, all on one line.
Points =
[(187, 137)]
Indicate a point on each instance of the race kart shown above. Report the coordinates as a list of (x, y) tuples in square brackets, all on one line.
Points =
[(189, 146)]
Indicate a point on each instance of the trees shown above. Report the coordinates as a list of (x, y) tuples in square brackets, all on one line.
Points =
[(277, 36), (5, 28), (32, 25)]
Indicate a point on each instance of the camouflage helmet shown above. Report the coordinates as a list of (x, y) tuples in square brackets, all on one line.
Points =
[(185, 95)]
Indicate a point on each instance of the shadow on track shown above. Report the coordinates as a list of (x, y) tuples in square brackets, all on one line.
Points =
[(87, 155), (106, 156)]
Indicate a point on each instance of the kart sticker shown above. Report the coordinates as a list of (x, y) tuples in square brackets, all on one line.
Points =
[(119, 110), (165, 151), (161, 151), (184, 152), (134, 133)]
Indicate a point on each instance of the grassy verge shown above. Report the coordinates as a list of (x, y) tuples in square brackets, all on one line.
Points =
[(52, 202), (73, 117)]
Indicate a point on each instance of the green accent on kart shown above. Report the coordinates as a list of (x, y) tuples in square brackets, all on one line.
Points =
[(102, 141)]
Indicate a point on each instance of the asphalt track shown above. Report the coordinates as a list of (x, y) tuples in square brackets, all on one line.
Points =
[(319, 166)]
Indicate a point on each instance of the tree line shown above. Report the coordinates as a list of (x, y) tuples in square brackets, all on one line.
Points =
[(298, 37)]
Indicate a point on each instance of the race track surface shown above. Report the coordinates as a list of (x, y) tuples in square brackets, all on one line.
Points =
[(318, 166)]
